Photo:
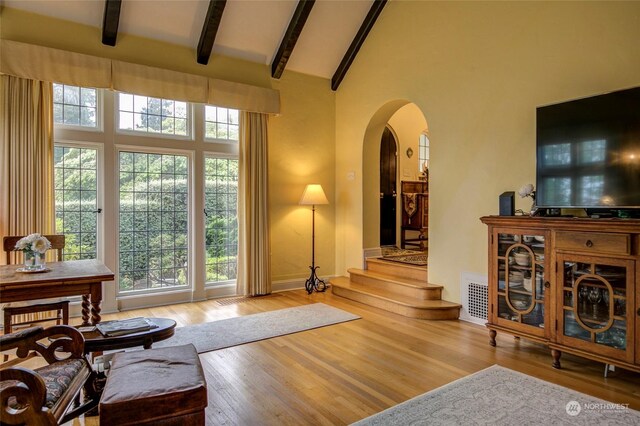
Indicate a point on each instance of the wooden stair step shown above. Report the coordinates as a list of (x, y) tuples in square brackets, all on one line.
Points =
[(389, 267), (403, 305), (396, 284)]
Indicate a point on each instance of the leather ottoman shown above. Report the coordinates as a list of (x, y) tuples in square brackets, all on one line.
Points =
[(163, 386)]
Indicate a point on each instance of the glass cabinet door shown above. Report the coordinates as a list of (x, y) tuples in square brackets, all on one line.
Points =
[(594, 312), (521, 291)]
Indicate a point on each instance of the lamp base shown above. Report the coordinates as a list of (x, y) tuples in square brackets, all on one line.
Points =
[(314, 283)]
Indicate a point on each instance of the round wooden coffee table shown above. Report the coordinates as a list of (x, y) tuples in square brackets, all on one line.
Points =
[(94, 341)]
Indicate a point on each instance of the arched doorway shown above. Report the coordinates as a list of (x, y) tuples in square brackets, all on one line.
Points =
[(406, 122)]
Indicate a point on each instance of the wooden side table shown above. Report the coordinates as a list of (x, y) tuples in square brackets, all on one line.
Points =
[(94, 341)]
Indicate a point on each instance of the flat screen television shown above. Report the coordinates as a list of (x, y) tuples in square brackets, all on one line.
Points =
[(588, 153)]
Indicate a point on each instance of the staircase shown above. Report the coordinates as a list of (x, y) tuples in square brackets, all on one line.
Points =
[(396, 287)]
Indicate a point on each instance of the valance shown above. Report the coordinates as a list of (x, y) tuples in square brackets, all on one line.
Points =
[(40, 63), (158, 82), (47, 64)]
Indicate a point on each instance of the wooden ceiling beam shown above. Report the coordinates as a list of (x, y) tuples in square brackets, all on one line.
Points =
[(290, 39), (110, 22), (210, 29), (358, 40)]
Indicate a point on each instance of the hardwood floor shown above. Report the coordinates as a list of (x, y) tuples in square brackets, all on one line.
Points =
[(342, 373)]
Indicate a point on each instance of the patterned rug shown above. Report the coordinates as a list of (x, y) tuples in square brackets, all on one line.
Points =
[(395, 251), (210, 336), (412, 259), (499, 396)]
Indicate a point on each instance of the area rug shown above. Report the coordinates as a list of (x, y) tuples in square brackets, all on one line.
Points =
[(499, 396), (221, 334), (412, 259), (396, 251)]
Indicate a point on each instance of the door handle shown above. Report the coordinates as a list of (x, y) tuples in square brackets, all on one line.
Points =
[(382, 195), (394, 195)]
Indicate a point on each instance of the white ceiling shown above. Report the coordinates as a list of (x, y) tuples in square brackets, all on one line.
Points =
[(250, 29)]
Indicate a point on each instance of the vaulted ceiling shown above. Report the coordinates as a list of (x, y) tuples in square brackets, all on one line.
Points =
[(318, 37)]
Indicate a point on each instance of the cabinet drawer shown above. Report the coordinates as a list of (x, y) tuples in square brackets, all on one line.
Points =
[(594, 242)]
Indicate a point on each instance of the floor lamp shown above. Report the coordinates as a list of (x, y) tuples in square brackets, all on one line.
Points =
[(314, 195)]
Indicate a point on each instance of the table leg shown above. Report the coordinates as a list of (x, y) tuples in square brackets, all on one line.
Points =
[(95, 312), (86, 308), (96, 300)]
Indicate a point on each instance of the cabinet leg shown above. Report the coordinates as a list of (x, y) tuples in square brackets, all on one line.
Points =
[(556, 358), (492, 337)]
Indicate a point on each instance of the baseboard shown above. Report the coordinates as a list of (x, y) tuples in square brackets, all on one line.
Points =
[(171, 298)]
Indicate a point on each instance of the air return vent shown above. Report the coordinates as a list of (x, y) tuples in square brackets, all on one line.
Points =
[(474, 296)]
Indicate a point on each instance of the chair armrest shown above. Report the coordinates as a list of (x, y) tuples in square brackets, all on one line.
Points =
[(63, 339), (22, 396), (12, 340)]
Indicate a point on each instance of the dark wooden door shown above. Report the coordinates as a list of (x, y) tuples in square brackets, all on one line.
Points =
[(388, 166)]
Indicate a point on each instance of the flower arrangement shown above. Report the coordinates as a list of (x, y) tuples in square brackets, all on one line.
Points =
[(527, 191), (32, 244)]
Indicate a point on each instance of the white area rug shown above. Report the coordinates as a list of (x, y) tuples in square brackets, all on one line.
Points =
[(499, 396), (220, 334)]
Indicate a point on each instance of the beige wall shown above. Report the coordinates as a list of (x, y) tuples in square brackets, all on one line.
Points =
[(302, 151), (301, 138), (477, 71)]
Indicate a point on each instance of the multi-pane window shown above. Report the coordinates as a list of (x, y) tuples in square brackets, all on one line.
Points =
[(154, 202), (75, 106), (221, 227), (423, 152), (76, 190), (153, 115), (221, 123)]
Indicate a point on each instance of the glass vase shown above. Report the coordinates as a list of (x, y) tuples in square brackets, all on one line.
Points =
[(34, 261)]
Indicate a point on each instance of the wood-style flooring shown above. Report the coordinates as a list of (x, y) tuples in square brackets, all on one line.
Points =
[(342, 373)]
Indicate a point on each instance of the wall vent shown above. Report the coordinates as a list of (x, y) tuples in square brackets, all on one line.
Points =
[(474, 296)]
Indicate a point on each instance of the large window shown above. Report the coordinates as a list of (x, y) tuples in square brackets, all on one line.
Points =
[(154, 204), (221, 123), (147, 192), (75, 106), (153, 115), (221, 232), (76, 200)]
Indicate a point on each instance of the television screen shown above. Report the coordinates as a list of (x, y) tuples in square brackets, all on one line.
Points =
[(588, 152)]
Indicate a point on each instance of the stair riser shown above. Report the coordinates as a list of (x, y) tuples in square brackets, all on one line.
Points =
[(418, 293), (396, 270), (428, 314)]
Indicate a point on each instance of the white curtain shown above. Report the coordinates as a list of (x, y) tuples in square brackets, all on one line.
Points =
[(254, 262)]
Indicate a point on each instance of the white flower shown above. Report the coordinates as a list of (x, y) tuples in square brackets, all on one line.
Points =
[(41, 245), (527, 191), (34, 243)]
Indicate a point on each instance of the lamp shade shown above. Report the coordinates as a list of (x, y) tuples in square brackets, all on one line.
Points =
[(313, 194)]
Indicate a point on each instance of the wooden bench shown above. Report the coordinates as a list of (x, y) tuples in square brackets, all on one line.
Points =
[(164, 386)]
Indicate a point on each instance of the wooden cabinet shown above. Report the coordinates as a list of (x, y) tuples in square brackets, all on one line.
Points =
[(572, 284), (415, 213)]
